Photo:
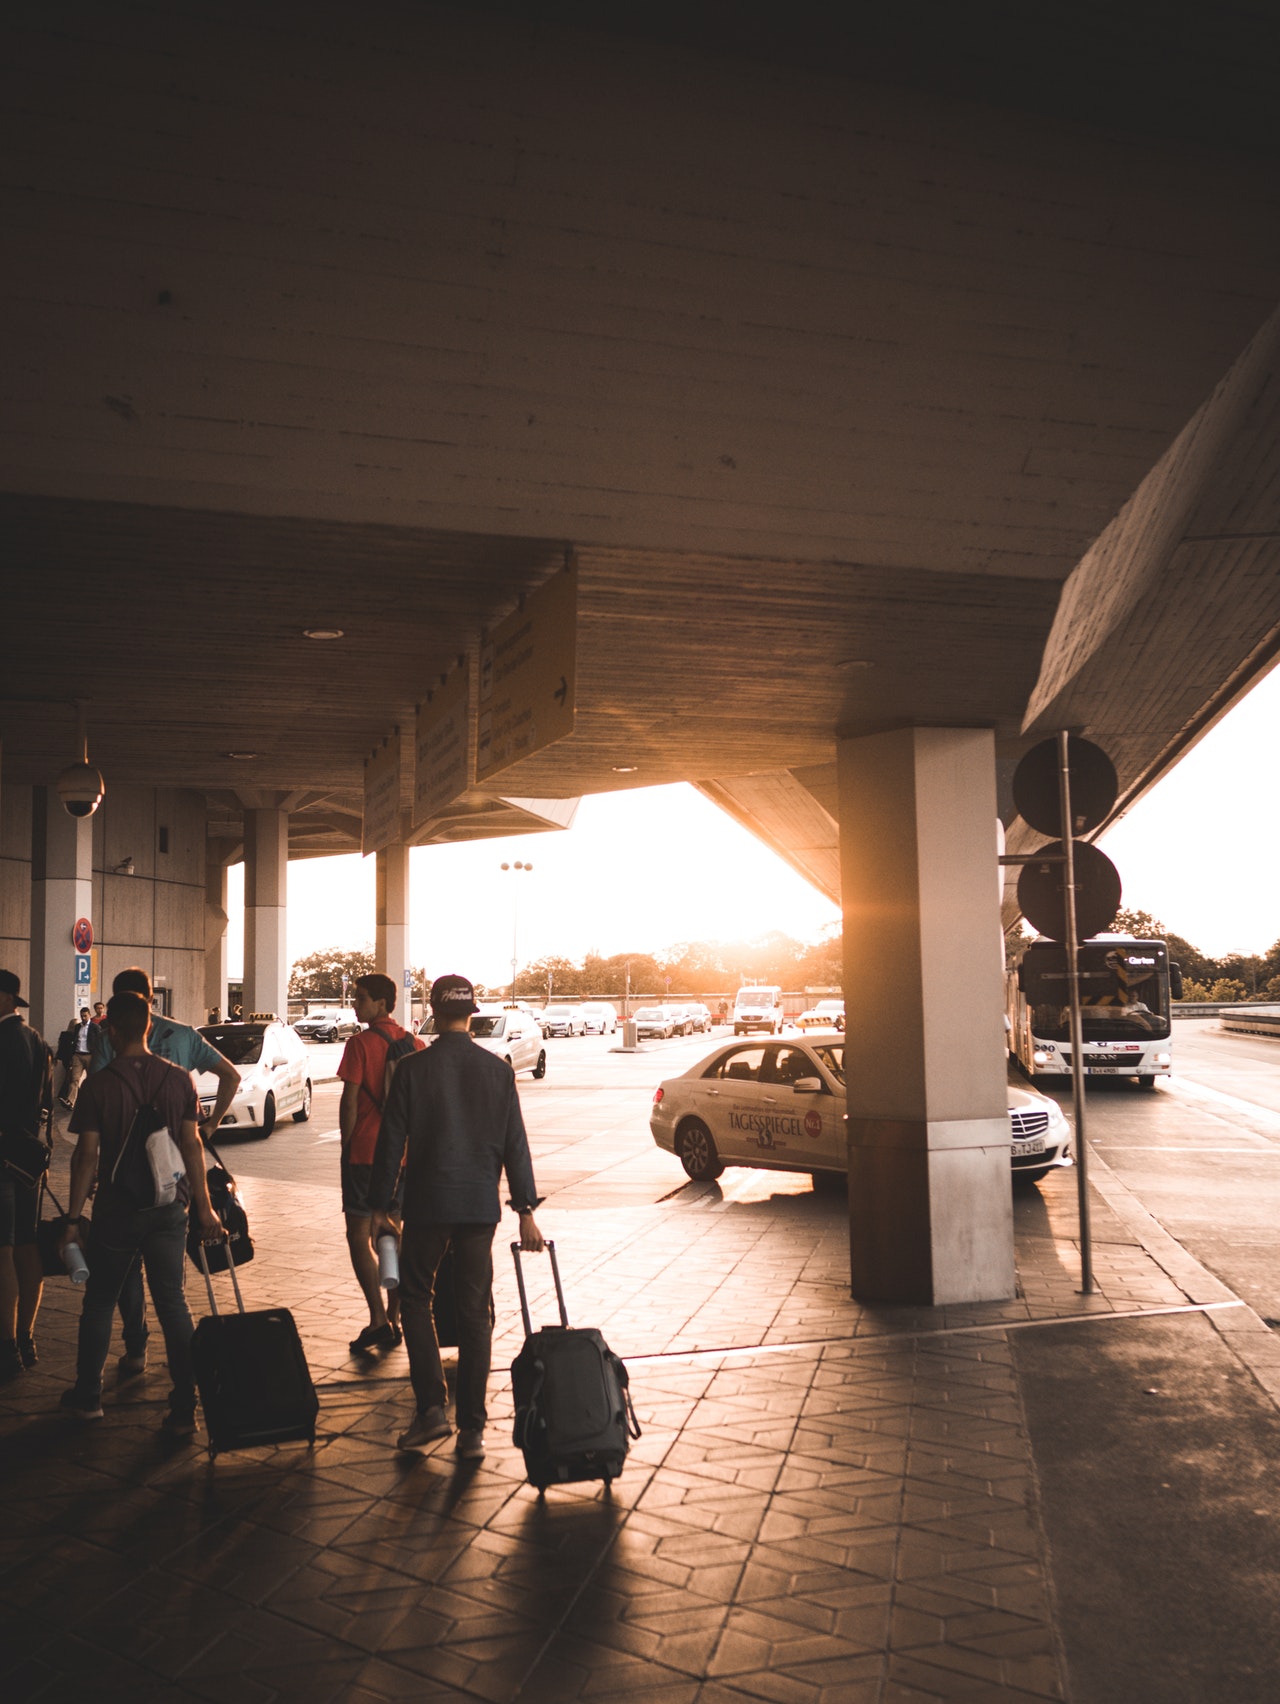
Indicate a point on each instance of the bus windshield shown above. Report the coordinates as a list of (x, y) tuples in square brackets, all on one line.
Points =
[(1124, 991)]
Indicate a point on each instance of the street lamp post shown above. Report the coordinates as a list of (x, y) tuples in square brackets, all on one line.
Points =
[(515, 922)]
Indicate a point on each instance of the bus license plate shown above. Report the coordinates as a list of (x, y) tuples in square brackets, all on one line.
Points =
[(1032, 1145)]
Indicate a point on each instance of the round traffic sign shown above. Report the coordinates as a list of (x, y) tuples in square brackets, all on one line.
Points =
[(1036, 787), (82, 935), (1041, 891)]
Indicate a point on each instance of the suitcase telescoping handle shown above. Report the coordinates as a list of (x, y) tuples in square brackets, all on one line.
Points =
[(524, 1300), (208, 1281)]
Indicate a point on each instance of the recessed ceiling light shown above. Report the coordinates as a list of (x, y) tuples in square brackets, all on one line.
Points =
[(240, 756), (322, 633), (625, 768), (855, 663)]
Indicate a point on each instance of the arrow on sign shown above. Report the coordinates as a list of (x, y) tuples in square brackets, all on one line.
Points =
[(562, 691)]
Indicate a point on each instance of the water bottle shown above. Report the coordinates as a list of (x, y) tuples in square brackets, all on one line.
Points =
[(76, 1264), (388, 1261)]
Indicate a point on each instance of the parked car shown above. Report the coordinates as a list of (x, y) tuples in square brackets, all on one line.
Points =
[(827, 1014), (699, 1015), (781, 1105), (654, 1021), (564, 1020), (509, 1031), (601, 1018), (274, 1075), (328, 1023)]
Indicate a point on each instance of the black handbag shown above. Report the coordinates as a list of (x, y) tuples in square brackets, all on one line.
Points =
[(236, 1248), (49, 1234), (25, 1158)]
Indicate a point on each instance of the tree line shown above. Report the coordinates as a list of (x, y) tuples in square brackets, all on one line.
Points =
[(700, 967)]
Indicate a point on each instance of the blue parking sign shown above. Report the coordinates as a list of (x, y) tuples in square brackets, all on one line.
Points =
[(84, 970)]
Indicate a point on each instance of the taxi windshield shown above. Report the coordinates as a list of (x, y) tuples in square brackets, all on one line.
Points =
[(487, 1025), (832, 1057), (240, 1043)]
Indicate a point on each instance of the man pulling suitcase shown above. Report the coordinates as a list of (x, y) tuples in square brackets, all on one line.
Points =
[(453, 1119)]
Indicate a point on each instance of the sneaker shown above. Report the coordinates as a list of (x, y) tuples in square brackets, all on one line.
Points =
[(179, 1423), (432, 1423), (27, 1350), (470, 1445), (73, 1403), (373, 1337), (132, 1366)]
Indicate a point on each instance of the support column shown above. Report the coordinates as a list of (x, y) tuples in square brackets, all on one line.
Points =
[(218, 855), (930, 1200), (61, 891), (266, 867), (391, 947)]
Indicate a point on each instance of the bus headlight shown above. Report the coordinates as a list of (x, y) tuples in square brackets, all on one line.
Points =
[(1163, 1058), (1039, 1057)]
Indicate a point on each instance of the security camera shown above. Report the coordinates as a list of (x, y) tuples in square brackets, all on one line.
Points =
[(80, 788)]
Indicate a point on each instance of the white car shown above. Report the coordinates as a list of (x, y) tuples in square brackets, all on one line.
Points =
[(758, 1007), (781, 1105), (600, 1018), (564, 1020), (827, 1014), (509, 1031), (274, 1079)]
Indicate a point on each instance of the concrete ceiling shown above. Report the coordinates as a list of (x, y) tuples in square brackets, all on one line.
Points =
[(829, 383)]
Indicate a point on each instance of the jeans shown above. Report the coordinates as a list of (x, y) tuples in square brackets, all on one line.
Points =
[(421, 1249), (117, 1237)]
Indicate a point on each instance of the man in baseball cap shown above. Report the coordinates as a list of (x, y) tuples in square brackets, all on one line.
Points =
[(453, 1117)]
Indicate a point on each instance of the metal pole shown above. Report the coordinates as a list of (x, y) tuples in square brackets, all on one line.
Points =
[(1077, 1026)]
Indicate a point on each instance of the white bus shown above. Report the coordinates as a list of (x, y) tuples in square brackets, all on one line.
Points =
[(1125, 988)]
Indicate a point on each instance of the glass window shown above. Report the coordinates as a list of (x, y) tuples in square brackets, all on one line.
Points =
[(487, 1026), (741, 1065), (240, 1043), (833, 1058), (786, 1065)]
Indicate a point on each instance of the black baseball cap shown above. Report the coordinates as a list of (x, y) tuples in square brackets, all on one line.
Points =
[(453, 997), (12, 984)]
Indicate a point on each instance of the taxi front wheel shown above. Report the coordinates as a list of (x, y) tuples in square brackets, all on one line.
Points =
[(697, 1150)]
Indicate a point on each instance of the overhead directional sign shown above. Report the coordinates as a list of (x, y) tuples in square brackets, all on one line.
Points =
[(382, 796), (527, 676), (441, 747)]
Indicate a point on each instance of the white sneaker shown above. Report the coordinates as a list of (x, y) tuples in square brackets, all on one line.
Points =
[(432, 1423)]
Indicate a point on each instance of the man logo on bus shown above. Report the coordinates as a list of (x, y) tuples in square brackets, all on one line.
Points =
[(813, 1124)]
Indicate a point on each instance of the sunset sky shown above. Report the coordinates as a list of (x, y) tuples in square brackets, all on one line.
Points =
[(645, 869)]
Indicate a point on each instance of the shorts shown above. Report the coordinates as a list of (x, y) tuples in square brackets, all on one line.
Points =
[(355, 1190), (19, 1208)]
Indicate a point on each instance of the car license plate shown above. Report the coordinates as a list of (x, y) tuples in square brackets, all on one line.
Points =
[(1032, 1145)]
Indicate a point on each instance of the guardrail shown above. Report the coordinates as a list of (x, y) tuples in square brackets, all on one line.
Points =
[(1218, 1009), (1246, 1020)]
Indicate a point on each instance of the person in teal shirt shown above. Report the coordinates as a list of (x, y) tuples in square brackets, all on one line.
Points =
[(186, 1047)]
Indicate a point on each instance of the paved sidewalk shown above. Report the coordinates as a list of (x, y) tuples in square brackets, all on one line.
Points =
[(829, 1505)]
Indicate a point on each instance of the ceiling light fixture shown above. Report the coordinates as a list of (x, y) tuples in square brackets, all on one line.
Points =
[(240, 756), (322, 633), (625, 768), (855, 663)]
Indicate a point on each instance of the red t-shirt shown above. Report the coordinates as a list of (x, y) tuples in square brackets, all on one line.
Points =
[(364, 1061)]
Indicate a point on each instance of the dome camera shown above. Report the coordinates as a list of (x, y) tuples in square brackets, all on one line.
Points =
[(80, 788)]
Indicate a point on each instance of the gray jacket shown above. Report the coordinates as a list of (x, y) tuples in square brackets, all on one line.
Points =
[(453, 1117)]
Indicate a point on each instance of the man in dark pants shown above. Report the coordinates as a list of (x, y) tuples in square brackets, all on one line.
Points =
[(128, 1221), (25, 1072), (453, 1117)]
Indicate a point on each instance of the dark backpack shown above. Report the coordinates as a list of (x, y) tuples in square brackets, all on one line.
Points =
[(132, 1175), (396, 1051)]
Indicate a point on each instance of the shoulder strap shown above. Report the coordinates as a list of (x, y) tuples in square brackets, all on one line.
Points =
[(385, 1039)]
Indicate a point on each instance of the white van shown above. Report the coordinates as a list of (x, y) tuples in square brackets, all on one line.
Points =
[(758, 1008)]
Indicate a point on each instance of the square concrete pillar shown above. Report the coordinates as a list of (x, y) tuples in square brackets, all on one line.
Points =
[(930, 1197), (218, 855), (61, 891), (266, 877), (391, 946)]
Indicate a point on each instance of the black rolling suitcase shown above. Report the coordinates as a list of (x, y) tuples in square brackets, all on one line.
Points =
[(254, 1383), (574, 1418)]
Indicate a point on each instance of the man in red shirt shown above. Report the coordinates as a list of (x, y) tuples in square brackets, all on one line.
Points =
[(364, 1075)]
